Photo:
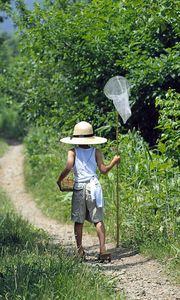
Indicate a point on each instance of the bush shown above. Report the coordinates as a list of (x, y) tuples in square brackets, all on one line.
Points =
[(169, 124), (11, 125)]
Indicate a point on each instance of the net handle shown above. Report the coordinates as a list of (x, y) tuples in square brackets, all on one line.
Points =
[(117, 183)]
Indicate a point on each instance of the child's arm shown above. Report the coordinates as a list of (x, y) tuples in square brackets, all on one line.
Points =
[(68, 167), (104, 169)]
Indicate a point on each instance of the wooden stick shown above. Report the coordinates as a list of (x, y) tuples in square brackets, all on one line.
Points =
[(117, 185)]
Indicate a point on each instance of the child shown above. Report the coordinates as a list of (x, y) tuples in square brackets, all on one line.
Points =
[(87, 199)]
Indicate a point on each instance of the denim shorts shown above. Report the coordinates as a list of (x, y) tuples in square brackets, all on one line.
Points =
[(83, 206)]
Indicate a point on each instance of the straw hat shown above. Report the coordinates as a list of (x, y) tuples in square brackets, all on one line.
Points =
[(83, 135)]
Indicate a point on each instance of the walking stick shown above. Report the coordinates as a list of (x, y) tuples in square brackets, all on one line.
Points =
[(117, 89), (117, 184)]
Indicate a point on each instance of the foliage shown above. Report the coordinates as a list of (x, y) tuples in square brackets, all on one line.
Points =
[(8, 50), (32, 268), (3, 147), (148, 195), (5, 5), (169, 124), (73, 49), (11, 123)]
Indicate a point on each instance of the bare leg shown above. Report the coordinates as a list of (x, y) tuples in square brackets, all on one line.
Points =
[(100, 229), (78, 230)]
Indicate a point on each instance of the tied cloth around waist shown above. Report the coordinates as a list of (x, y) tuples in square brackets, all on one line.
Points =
[(95, 189)]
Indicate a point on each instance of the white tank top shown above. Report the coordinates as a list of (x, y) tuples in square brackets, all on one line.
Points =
[(85, 164)]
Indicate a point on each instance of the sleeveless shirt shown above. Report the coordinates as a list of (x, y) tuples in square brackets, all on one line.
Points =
[(85, 171), (85, 164)]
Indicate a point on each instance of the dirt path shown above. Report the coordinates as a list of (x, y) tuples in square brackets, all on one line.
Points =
[(138, 276)]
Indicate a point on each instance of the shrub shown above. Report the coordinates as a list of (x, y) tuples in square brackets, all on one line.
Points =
[(169, 124)]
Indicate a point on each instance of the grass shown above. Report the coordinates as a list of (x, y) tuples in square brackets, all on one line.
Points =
[(32, 268), (3, 147)]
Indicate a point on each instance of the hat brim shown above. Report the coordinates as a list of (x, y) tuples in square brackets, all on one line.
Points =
[(84, 140)]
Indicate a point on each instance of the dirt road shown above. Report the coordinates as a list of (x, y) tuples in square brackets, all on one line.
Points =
[(138, 276)]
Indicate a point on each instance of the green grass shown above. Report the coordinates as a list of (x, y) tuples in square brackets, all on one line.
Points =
[(32, 268), (3, 147)]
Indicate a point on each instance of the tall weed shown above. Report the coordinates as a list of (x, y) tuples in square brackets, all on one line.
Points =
[(148, 188)]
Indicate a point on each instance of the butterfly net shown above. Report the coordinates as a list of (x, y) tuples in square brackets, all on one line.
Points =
[(117, 89)]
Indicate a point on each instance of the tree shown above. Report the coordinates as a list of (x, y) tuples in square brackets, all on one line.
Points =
[(10, 87), (5, 5), (69, 53)]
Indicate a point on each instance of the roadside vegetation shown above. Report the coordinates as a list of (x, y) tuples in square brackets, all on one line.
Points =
[(3, 147), (32, 268)]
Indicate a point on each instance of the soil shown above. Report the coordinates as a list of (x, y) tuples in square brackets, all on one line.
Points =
[(137, 276)]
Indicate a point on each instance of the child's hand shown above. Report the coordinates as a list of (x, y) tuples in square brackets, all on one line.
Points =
[(116, 159)]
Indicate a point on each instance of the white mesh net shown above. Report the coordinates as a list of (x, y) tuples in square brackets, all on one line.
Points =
[(117, 89)]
